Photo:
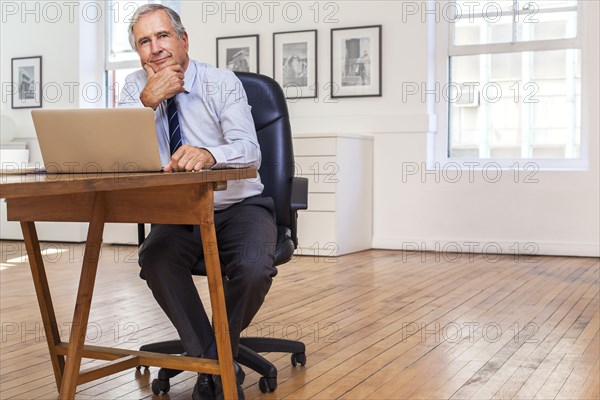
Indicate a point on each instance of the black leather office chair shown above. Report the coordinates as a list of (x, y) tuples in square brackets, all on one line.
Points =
[(271, 119)]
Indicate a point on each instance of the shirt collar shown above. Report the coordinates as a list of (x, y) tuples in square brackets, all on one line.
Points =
[(189, 76)]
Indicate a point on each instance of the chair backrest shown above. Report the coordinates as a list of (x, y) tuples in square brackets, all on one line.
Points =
[(272, 122)]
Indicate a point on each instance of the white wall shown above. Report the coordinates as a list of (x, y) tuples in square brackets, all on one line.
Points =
[(559, 214), (31, 32), (545, 213), (325, 115), (51, 30)]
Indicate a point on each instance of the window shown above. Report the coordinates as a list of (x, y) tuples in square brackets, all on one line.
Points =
[(514, 83), (121, 59)]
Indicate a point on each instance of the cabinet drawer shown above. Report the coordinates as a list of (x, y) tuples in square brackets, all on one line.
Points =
[(316, 227), (321, 184), (317, 165), (314, 146), (321, 201)]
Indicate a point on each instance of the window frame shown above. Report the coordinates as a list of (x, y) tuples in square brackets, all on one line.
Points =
[(109, 62), (442, 48), (110, 65)]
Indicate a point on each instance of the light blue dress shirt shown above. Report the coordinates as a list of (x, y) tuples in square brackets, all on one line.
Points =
[(213, 114)]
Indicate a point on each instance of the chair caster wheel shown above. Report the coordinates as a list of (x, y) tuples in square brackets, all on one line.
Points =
[(267, 384), (299, 358), (160, 385)]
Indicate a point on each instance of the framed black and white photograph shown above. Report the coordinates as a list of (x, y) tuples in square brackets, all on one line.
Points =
[(26, 82), (356, 62), (238, 53), (295, 63)]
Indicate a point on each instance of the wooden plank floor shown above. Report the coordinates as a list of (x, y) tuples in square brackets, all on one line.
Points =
[(377, 325)]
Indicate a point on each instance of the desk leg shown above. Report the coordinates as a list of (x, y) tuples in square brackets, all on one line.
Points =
[(84, 300), (217, 295), (44, 298)]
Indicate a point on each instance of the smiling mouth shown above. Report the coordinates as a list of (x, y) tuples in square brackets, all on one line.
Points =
[(161, 60)]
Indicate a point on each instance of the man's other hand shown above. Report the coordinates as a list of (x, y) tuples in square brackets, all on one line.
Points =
[(162, 85), (190, 158)]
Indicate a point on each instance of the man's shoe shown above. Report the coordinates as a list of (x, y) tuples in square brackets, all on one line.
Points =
[(205, 388), (239, 378)]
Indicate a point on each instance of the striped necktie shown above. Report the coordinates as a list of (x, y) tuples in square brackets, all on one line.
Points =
[(174, 128)]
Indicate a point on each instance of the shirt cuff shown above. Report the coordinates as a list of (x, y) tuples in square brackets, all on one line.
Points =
[(217, 153)]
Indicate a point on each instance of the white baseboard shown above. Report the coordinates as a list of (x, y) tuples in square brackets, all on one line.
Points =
[(488, 247)]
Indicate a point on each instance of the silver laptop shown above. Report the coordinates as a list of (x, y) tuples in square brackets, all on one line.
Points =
[(97, 140)]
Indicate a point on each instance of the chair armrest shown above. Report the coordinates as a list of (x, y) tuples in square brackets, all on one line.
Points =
[(299, 194), (141, 233), (299, 201)]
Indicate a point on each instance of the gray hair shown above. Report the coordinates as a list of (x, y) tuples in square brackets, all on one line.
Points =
[(149, 8)]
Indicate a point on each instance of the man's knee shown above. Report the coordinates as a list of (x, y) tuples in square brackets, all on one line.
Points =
[(149, 250), (154, 259), (254, 266), (147, 260)]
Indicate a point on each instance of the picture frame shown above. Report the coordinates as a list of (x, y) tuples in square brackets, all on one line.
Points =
[(26, 73), (238, 53), (295, 63), (356, 62)]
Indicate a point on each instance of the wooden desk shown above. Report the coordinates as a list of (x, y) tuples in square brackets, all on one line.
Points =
[(160, 198)]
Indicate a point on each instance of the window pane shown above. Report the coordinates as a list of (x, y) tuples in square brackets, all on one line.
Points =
[(468, 9), (547, 4), (119, 36), (547, 26), (516, 105), (496, 21), (482, 31), (507, 66)]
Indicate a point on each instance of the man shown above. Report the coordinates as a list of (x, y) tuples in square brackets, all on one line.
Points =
[(203, 121)]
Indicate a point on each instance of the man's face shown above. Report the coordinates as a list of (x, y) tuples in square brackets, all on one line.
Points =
[(158, 45)]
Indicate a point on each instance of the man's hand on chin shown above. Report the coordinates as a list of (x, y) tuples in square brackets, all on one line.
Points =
[(190, 158), (163, 83)]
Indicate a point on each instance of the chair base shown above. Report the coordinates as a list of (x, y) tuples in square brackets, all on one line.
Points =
[(247, 356)]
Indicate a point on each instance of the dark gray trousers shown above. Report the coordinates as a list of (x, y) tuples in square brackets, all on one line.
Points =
[(246, 238)]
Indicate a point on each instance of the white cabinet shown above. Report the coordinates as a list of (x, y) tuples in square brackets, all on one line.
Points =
[(339, 169)]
